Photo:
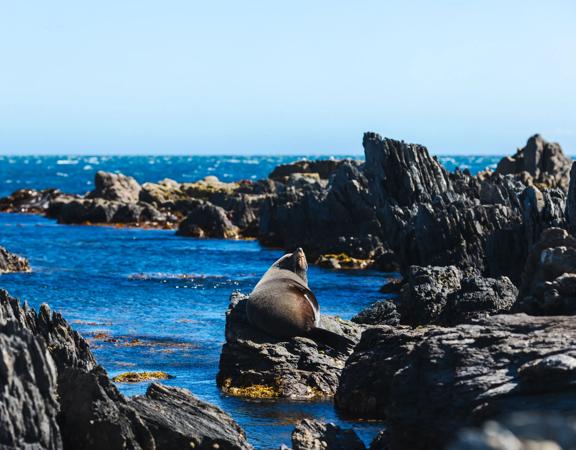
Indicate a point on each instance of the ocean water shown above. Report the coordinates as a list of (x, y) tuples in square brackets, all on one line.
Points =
[(75, 174), (149, 300)]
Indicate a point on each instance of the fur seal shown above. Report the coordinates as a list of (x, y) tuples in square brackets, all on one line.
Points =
[(282, 305)]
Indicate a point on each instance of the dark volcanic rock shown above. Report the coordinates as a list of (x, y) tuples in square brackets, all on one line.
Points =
[(254, 364), (543, 160), (430, 382), (96, 416), (115, 187), (339, 218), (10, 262), (382, 312), (207, 220), (28, 405), (97, 210), (325, 168), (448, 296), (177, 420), (520, 431), (315, 435), (93, 414), (549, 277), (571, 201), (29, 201), (402, 173)]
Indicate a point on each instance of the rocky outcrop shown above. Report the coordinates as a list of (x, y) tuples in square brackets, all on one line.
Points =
[(431, 381), (28, 406), (335, 219), (10, 262), (208, 220), (544, 161), (254, 364), (91, 413), (571, 201), (383, 312), (549, 277), (29, 201), (315, 435), (449, 296), (177, 419), (115, 187), (323, 168)]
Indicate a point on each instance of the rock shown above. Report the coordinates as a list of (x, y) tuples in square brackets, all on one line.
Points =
[(447, 296), (115, 187), (383, 312), (543, 160), (254, 364), (342, 261), (10, 262), (66, 346), (432, 381), (339, 218), (315, 435), (392, 286), (571, 201), (93, 414), (207, 220), (402, 173), (549, 277), (520, 431), (205, 188), (96, 416), (165, 191), (139, 377), (29, 201), (28, 406), (325, 168), (177, 419)]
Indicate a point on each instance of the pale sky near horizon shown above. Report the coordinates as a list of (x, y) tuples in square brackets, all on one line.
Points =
[(301, 77)]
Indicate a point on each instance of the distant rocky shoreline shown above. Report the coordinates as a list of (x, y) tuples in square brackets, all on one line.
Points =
[(480, 328)]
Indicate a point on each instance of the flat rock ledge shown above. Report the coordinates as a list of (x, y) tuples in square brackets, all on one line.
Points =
[(254, 364), (429, 382), (177, 419)]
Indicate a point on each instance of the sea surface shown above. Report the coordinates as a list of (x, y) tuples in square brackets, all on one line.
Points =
[(149, 300)]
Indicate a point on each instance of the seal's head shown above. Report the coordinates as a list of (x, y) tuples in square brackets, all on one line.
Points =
[(294, 262)]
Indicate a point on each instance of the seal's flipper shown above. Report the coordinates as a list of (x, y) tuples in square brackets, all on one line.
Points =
[(331, 339)]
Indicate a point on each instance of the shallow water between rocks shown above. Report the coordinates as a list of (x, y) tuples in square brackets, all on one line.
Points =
[(149, 300)]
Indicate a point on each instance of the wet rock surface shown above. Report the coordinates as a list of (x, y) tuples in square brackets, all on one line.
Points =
[(431, 381), (10, 262), (177, 419), (315, 435), (254, 364)]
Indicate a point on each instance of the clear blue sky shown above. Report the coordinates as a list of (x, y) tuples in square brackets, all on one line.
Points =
[(138, 76)]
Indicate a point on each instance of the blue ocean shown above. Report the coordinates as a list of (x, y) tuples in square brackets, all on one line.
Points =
[(149, 300)]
